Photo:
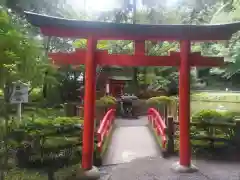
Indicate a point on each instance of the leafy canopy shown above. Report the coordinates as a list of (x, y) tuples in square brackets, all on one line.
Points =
[(21, 53)]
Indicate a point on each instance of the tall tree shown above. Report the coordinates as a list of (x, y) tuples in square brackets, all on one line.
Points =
[(21, 55)]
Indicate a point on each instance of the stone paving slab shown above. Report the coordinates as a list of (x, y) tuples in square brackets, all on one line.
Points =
[(160, 169)]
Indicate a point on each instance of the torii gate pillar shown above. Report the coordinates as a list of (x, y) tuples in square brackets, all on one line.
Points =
[(89, 104), (184, 101), (184, 164)]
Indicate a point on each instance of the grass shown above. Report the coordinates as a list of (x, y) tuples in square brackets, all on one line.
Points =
[(197, 106), (217, 96), (222, 101)]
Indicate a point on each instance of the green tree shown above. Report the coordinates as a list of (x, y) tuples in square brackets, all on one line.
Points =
[(22, 56)]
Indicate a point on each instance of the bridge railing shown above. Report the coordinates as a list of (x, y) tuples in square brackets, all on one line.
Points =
[(104, 128), (159, 126)]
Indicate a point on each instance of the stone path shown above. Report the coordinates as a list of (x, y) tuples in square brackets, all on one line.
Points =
[(158, 168), (131, 139)]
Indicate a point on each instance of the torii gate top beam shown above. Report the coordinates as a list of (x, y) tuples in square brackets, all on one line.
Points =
[(53, 26)]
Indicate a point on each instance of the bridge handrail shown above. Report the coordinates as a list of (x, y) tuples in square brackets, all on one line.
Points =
[(158, 124), (104, 127)]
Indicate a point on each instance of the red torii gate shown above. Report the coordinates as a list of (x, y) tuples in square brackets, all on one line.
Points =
[(103, 58), (93, 31)]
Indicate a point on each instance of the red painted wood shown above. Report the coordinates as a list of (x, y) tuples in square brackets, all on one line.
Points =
[(158, 125), (105, 126), (119, 82), (116, 87), (89, 103), (103, 58), (139, 47), (184, 104)]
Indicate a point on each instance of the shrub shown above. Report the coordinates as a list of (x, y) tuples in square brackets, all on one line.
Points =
[(43, 137), (205, 117), (108, 101), (68, 120), (100, 103), (156, 101), (213, 116), (151, 93), (35, 95), (33, 129)]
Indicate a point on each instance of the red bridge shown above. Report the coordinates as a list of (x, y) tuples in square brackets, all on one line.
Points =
[(122, 140)]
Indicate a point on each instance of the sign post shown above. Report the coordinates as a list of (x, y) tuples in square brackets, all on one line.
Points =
[(19, 95)]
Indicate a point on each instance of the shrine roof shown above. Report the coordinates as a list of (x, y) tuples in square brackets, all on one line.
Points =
[(54, 26)]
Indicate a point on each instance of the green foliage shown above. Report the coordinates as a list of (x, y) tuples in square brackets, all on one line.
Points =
[(34, 128), (35, 95), (213, 116), (19, 174), (21, 53), (47, 136), (82, 44), (146, 94), (155, 101), (67, 87), (214, 124), (206, 116), (100, 103), (216, 97), (108, 101), (50, 124)]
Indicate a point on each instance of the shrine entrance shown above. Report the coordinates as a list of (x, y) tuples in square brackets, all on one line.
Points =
[(116, 88), (184, 59)]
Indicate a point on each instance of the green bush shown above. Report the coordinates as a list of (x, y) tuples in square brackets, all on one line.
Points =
[(34, 129), (46, 139), (150, 93), (44, 122), (108, 101), (100, 103), (156, 101), (68, 120), (216, 96), (36, 95), (206, 117), (213, 116)]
